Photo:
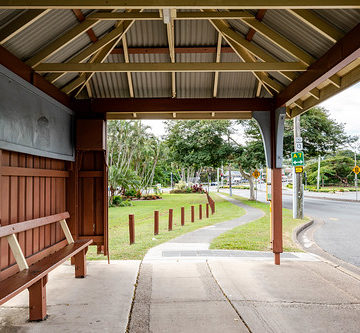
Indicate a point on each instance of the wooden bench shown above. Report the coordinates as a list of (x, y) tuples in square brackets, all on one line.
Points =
[(35, 276)]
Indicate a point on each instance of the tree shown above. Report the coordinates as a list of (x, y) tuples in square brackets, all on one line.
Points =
[(321, 135), (133, 154), (197, 145), (334, 170)]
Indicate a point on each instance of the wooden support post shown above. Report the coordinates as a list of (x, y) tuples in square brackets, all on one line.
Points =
[(80, 264), (37, 300), (132, 228), (182, 216), (276, 213), (72, 260), (207, 210), (156, 222), (200, 212), (170, 219), (192, 213)]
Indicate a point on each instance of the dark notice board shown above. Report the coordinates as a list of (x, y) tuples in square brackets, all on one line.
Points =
[(32, 122)]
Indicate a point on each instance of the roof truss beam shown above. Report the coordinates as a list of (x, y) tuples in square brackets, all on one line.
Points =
[(179, 4), (317, 23), (173, 105), (170, 67), (340, 55), (158, 17)]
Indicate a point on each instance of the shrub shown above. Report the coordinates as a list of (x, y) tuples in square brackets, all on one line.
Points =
[(119, 201), (130, 193), (181, 185)]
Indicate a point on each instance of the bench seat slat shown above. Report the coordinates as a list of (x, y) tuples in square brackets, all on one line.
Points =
[(15, 284), (30, 224)]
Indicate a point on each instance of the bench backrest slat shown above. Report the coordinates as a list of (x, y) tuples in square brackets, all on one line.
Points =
[(30, 224)]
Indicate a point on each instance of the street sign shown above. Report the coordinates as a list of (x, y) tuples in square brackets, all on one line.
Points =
[(356, 169), (299, 169), (256, 174), (298, 139), (299, 146), (297, 158)]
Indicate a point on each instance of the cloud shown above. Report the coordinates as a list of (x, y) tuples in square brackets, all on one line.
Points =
[(345, 108)]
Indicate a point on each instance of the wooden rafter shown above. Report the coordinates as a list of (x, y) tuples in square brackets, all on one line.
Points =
[(222, 26), (181, 4), (127, 60), (80, 16), (171, 67), (61, 42), (153, 16), (250, 35), (21, 23), (90, 50), (318, 24), (171, 42), (340, 55), (106, 50), (217, 59), (328, 91), (131, 105)]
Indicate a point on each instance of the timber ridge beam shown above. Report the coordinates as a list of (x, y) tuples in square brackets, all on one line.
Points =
[(345, 51), (179, 4), (166, 105)]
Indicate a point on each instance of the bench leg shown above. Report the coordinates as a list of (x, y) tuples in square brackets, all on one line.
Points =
[(37, 300), (80, 264)]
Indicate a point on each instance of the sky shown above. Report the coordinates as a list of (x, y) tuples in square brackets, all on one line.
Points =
[(344, 108)]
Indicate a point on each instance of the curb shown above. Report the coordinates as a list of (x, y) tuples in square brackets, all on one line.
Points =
[(327, 258), (299, 229)]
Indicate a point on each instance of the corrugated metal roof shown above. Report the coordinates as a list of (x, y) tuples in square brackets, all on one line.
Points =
[(187, 33), (43, 31), (343, 19), (194, 85), (7, 15), (194, 33), (297, 32), (147, 33)]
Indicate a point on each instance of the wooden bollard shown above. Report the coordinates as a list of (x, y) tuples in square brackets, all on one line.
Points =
[(132, 229), (192, 213), (182, 216), (156, 222), (170, 219), (207, 210), (200, 212)]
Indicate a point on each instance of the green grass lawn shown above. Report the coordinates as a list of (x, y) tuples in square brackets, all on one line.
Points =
[(255, 236), (119, 247)]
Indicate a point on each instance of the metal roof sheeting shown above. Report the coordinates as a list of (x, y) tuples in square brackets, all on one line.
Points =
[(39, 34), (297, 32), (188, 33)]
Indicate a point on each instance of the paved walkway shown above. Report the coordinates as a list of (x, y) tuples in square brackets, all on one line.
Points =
[(183, 286)]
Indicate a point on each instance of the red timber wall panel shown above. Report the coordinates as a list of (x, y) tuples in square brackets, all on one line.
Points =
[(88, 184), (28, 190)]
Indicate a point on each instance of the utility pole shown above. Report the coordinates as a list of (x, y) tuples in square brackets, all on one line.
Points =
[(171, 180), (298, 188), (318, 175), (356, 181), (222, 177), (217, 180), (230, 180)]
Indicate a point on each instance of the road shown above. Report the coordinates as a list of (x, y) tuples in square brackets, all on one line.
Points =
[(339, 234)]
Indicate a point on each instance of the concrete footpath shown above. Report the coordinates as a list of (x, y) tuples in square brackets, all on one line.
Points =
[(183, 286)]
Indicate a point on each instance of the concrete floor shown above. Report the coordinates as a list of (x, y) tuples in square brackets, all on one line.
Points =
[(99, 303)]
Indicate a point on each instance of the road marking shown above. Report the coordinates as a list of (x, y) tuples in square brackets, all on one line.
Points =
[(307, 242), (333, 219)]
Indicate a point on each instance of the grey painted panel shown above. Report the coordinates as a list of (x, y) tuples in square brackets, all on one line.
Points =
[(32, 122)]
